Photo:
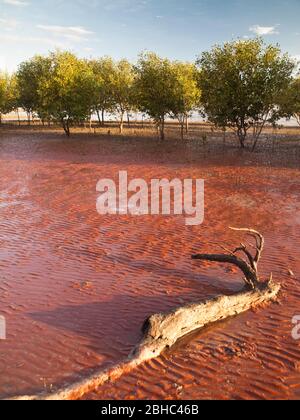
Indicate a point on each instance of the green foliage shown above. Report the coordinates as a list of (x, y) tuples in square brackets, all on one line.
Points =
[(114, 87), (3, 92), (155, 87), (186, 92), (8, 99), (103, 70), (12, 94), (166, 88), (58, 87), (66, 89), (122, 89), (29, 76), (290, 101), (241, 83)]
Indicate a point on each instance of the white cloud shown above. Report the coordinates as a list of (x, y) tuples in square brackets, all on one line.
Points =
[(77, 33), (263, 30), (19, 3), (8, 24), (31, 39)]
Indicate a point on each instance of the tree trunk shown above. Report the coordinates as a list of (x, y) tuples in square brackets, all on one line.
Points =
[(242, 134), (162, 129), (98, 115), (103, 117), (18, 114), (122, 123), (257, 136), (181, 120), (128, 120), (66, 127), (182, 130), (28, 118), (255, 143), (164, 330), (187, 124)]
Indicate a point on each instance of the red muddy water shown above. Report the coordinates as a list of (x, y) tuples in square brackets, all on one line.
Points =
[(75, 287)]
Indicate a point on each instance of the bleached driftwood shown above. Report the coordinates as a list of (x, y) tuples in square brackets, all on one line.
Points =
[(162, 331)]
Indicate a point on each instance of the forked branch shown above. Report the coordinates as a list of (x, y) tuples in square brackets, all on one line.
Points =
[(260, 243), (249, 265)]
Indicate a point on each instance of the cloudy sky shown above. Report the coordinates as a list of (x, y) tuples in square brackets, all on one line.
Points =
[(123, 28)]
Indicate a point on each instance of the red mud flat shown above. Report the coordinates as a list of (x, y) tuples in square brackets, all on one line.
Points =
[(75, 287)]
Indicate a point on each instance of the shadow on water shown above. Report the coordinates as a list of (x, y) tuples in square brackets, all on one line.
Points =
[(92, 318)]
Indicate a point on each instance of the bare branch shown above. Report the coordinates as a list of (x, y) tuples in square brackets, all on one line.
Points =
[(250, 275), (259, 239), (244, 249), (249, 266), (225, 249)]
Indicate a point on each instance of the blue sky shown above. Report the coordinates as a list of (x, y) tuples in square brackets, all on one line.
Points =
[(123, 28)]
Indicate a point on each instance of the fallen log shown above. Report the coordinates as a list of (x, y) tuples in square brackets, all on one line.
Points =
[(162, 331)]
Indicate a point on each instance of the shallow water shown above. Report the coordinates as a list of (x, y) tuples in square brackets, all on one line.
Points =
[(75, 287)]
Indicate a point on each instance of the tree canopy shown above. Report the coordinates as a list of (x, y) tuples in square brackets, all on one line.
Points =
[(290, 101), (8, 93), (3, 93), (29, 76), (103, 70), (241, 83), (186, 95), (122, 89), (66, 89), (155, 88)]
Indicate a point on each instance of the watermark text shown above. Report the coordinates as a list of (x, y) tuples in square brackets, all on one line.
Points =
[(137, 198), (2, 328), (296, 329)]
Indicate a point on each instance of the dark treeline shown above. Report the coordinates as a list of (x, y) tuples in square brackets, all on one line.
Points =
[(242, 85)]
